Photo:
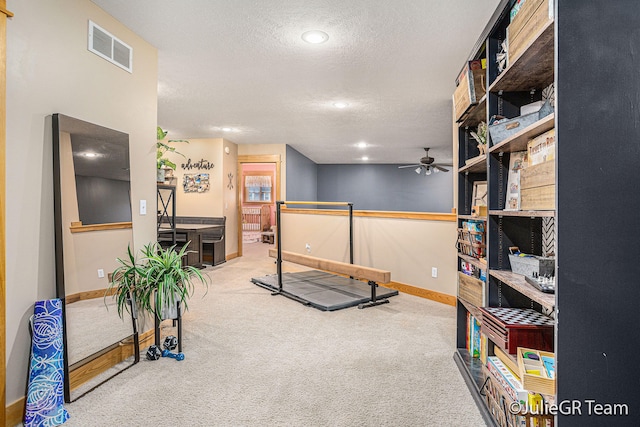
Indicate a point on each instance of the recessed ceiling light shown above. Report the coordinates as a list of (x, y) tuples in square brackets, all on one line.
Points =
[(340, 105), (361, 145), (315, 36), (365, 158)]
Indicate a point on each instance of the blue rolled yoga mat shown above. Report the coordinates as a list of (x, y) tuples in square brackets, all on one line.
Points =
[(45, 395)]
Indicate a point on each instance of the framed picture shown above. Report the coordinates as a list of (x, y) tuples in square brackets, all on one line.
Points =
[(196, 183), (479, 193)]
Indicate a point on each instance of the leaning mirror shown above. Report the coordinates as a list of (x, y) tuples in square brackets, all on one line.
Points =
[(92, 210)]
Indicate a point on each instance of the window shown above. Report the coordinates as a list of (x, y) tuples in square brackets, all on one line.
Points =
[(257, 188)]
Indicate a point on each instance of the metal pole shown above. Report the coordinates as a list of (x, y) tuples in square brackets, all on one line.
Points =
[(351, 233), (279, 247)]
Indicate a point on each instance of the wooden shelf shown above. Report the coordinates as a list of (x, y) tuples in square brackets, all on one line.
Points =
[(517, 282), (480, 218), (518, 141), (473, 261), (532, 214), (476, 114), (533, 69), (475, 311), (477, 164), (471, 370)]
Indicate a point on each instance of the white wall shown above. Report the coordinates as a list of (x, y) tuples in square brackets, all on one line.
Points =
[(409, 248), (50, 70)]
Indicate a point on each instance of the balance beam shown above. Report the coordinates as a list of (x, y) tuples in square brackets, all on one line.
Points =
[(352, 270)]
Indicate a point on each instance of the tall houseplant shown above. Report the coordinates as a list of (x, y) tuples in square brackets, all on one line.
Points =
[(157, 282), (164, 147)]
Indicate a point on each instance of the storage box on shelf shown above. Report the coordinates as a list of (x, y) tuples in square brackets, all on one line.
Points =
[(510, 328), (537, 370), (471, 289), (504, 128), (532, 17), (471, 88), (532, 265)]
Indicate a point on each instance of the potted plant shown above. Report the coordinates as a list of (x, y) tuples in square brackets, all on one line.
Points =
[(156, 283), (481, 137), (163, 148)]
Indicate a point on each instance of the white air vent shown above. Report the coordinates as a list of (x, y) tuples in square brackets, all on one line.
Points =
[(105, 45)]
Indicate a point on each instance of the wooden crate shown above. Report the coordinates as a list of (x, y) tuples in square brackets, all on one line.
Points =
[(537, 187), (471, 289), (538, 383), (527, 24), (528, 8), (471, 88), (542, 148)]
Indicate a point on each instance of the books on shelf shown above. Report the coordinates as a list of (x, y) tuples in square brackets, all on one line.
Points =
[(473, 336), (507, 380)]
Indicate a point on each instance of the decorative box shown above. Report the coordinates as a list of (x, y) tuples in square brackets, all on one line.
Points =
[(502, 128), (510, 328), (533, 16), (470, 89), (537, 370), (530, 264), (471, 289)]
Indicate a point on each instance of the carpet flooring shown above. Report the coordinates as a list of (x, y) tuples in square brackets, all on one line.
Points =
[(253, 359)]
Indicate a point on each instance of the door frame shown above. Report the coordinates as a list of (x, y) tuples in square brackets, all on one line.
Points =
[(259, 158)]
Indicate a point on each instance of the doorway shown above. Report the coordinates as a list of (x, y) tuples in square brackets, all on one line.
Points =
[(258, 189)]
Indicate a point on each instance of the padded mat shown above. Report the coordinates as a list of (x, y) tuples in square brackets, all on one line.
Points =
[(323, 290)]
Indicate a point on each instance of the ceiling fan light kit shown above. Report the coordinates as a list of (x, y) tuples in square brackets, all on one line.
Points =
[(428, 164)]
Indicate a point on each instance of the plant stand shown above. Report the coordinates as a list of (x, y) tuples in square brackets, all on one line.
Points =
[(177, 322)]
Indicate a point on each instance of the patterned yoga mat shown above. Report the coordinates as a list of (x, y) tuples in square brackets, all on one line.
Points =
[(45, 395)]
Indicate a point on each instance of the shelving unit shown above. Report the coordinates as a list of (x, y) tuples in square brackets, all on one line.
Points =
[(588, 52), (520, 83)]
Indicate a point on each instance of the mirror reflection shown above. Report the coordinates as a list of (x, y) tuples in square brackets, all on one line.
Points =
[(93, 228)]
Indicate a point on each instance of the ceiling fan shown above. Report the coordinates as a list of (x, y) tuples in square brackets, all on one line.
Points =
[(427, 163)]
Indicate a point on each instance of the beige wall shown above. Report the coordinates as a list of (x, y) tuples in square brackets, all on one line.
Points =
[(208, 203), (50, 70), (229, 179), (220, 200), (408, 248)]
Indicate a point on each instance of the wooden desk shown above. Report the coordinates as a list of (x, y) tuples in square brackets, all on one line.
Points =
[(193, 234)]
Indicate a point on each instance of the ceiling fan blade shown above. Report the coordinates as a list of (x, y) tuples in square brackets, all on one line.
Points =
[(409, 166), (440, 168)]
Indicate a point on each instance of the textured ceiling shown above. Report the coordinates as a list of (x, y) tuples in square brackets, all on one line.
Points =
[(242, 64)]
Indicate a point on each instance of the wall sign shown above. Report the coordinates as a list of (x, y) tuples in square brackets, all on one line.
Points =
[(201, 164)]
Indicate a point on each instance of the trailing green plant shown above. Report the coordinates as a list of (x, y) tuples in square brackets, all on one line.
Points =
[(169, 282), (126, 282), (156, 281), (164, 147)]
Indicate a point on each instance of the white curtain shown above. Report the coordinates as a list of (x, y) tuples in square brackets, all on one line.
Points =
[(257, 181)]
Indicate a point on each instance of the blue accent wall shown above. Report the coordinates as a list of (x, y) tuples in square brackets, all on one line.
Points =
[(368, 186), (385, 188), (302, 177)]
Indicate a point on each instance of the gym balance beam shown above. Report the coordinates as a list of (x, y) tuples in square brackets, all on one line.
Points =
[(372, 275)]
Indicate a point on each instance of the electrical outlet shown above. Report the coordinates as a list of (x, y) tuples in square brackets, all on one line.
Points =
[(308, 247), (100, 273), (143, 207), (434, 272)]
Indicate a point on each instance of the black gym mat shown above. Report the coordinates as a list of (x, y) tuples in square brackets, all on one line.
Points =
[(322, 290)]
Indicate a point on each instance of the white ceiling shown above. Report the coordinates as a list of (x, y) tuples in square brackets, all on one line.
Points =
[(242, 64)]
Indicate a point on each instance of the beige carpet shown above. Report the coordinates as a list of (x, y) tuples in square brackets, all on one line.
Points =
[(253, 359)]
